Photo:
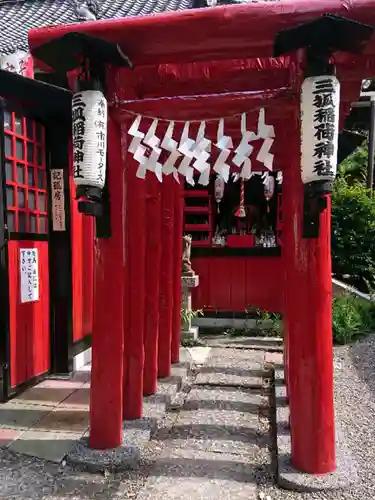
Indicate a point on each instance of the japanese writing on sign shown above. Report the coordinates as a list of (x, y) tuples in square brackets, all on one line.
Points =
[(29, 275), (325, 121), (79, 124), (101, 138), (18, 62), (57, 193)]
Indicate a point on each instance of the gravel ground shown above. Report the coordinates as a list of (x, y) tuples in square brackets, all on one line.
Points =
[(24, 478), (355, 410)]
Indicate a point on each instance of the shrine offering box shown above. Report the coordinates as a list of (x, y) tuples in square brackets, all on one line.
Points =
[(240, 240)]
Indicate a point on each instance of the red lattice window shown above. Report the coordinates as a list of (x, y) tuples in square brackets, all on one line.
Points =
[(25, 171)]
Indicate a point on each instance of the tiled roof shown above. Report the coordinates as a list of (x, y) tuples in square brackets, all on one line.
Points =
[(17, 17)]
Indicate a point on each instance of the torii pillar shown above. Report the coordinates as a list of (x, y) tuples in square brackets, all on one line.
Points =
[(308, 289)]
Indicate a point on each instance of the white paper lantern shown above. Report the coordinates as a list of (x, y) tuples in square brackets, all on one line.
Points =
[(89, 117), (320, 102)]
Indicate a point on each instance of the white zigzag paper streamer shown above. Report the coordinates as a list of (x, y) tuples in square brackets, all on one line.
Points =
[(186, 148), (170, 145), (225, 144), (137, 135), (147, 148)]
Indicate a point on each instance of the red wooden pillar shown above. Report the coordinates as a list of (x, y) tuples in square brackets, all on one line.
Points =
[(177, 269), (166, 278), (153, 258), (309, 322), (108, 335), (135, 253)]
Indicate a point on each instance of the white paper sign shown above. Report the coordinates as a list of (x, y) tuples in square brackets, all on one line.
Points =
[(57, 193), (29, 275)]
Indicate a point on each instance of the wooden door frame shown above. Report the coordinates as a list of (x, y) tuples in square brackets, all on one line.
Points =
[(51, 106)]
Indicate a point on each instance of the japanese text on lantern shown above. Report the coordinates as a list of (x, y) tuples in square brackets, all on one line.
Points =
[(57, 194), (78, 119), (101, 138), (325, 128), (29, 274)]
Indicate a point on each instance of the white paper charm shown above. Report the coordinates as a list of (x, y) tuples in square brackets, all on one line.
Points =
[(264, 156), (170, 145), (225, 144), (136, 134), (29, 271)]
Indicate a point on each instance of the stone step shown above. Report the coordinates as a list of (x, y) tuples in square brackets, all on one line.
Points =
[(185, 474)]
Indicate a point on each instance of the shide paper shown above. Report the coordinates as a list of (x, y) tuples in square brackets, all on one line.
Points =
[(191, 153)]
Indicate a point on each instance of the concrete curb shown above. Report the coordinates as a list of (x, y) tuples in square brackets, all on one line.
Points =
[(136, 433), (291, 479), (269, 344)]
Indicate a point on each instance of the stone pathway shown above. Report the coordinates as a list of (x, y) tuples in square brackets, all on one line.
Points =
[(213, 447), (46, 420)]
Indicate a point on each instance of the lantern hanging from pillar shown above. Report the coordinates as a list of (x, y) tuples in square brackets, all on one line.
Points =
[(320, 103), (89, 120)]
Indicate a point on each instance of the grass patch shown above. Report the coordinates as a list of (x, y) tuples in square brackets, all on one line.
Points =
[(352, 318)]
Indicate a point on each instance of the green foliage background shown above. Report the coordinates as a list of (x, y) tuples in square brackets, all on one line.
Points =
[(353, 220)]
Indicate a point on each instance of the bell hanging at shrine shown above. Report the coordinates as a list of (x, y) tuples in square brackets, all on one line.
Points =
[(219, 191)]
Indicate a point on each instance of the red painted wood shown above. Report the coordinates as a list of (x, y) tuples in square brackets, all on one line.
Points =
[(108, 325), (166, 279), (135, 291), (82, 232), (246, 30), (88, 234), (76, 221), (308, 288), (177, 270), (235, 283), (29, 322), (153, 259)]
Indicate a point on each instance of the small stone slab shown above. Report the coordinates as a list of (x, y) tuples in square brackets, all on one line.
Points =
[(224, 379), (288, 477), (241, 400), (199, 354), (64, 420), (79, 399), (46, 396), (235, 357), (52, 446), (21, 416), (183, 474), (218, 431)]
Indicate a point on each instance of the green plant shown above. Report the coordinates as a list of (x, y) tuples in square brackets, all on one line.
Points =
[(353, 231), (187, 315), (270, 322), (351, 318), (354, 168)]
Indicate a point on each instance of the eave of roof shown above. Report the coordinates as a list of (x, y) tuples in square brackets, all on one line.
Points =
[(19, 16)]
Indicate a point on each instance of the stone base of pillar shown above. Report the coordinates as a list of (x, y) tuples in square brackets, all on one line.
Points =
[(187, 330)]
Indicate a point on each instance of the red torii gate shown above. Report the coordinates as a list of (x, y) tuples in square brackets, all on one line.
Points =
[(205, 52)]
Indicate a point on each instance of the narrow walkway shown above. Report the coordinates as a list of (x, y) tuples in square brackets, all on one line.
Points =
[(217, 446), (46, 420)]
